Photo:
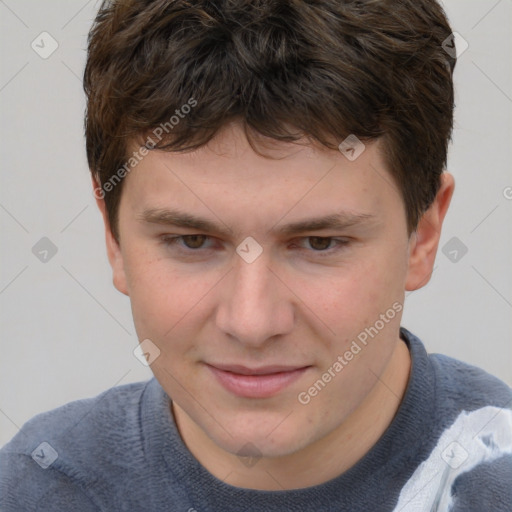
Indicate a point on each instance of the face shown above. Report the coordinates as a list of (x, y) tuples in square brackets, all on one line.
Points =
[(254, 276)]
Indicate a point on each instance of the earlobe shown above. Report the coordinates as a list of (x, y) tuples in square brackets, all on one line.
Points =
[(115, 256), (424, 242)]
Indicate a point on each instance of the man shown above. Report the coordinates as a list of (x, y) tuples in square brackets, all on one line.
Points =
[(271, 180)]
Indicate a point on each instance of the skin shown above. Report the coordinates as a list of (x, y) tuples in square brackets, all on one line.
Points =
[(297, 304)]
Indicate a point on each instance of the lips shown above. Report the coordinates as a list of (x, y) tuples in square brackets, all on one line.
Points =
[(265, 370), (262, 382)]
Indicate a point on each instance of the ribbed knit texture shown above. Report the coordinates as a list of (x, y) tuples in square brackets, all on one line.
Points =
[(121, 451)]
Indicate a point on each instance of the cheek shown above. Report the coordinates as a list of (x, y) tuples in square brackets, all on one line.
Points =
[(349, 302), (347, 292), (165, 298)]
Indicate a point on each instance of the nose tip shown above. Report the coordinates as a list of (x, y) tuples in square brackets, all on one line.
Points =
[(254, 306)]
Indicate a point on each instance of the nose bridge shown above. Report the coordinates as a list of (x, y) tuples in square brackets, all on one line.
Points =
[(254, 307)]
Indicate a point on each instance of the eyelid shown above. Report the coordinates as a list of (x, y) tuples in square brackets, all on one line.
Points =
[(340, 244), (175, 238)]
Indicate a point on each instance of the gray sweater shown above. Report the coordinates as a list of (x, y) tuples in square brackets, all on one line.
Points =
[(449, 448)]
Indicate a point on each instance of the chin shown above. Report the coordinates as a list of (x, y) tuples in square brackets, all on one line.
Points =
[(257, 446), (258, 441)]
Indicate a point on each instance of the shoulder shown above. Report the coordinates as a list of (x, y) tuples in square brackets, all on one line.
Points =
[(457, 385), (71, 449), (116, 407), (469, 466), (472, 406), (469, 386)]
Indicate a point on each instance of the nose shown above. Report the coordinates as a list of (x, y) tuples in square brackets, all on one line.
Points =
[(255, 305)]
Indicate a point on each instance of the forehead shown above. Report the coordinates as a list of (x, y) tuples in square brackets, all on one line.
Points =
[(228, 176)]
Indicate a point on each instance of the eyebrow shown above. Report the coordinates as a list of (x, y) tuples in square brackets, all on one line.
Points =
[(179, 219)]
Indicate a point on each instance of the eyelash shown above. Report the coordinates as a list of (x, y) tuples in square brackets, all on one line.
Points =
[(172, 242)]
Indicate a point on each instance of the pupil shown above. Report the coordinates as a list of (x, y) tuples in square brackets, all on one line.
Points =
[(319, 243), (194, 241)]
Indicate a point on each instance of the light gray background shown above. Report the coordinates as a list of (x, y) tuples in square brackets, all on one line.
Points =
[(67, 333)]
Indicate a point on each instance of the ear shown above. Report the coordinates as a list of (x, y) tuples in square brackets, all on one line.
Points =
[(115, 256), (425, 240)]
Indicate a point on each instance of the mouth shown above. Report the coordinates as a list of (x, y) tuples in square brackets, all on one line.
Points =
[(263, 382)]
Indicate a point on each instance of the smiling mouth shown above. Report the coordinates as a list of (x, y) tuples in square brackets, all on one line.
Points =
[(261, 382)]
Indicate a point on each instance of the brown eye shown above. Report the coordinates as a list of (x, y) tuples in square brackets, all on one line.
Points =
[(319, 243), (194, 241)]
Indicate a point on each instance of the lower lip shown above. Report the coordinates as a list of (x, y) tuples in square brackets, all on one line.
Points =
[(256, 386)]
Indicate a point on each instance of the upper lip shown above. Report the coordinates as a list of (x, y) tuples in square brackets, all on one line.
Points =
[(262, 370)]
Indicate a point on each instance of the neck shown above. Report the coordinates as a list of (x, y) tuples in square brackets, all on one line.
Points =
[(316, 463)]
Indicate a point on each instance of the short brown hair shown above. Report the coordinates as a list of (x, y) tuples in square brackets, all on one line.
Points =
[(320, 69)]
